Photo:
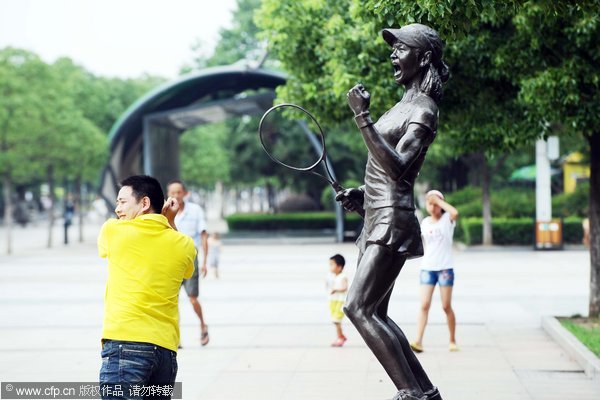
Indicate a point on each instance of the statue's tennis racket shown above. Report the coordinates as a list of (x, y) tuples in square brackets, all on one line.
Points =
[(292, 137)]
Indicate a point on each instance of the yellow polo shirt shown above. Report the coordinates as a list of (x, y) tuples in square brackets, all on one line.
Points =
[(147, 261)]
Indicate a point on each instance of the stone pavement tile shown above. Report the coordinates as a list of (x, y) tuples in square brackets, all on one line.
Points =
[(200, 367), (246, 385), (378, 386), (345, 359), (266, 360), (437, 338), (469, 391), (302, 336), (506, 312), (269, 312), (532, 349), (221, 336), (335, 385), (199, 361), (56, 365), (43, 339), (559, 385)]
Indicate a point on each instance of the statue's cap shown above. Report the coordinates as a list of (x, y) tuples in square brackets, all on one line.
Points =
[(416, 36)]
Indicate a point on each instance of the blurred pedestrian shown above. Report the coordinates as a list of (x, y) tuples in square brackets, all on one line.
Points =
[(585, 225), (100, 210), (214, 253), (147, 260), (190, 221), (69, 214), (437, 264), (337, 287)]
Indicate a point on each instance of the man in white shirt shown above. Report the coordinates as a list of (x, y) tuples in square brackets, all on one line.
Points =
[(190, 221)]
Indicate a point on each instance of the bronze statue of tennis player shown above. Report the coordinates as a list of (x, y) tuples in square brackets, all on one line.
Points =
[(397, 144)]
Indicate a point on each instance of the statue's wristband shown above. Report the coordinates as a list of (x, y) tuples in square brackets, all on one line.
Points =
[(363, 119)]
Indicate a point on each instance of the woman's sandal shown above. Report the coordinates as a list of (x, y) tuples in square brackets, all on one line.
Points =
[(417, 348)]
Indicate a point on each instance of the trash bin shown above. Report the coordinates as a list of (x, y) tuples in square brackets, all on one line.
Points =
[(548, 235)]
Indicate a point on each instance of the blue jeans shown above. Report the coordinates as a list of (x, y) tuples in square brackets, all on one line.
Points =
[(131, 367)]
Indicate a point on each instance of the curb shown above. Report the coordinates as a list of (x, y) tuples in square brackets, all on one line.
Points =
[(573, 347)]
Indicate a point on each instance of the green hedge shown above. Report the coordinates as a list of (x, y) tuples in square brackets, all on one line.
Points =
[(289, 221), (513, 202), (507, 231), (514, 231)]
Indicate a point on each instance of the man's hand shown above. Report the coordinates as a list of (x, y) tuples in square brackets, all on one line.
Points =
[(203, 269), (170, 209)]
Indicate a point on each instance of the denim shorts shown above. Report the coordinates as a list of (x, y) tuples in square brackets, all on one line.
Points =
[(128, 366), (444, 277)]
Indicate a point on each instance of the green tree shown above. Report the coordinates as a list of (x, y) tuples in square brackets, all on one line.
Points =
[(520, 69), (102, 100), (43, 134), (204, 160), (19, 109), (236, 43), (344, 47)]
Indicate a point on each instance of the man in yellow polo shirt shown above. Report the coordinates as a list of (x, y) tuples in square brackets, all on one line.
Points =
[(147, 261)]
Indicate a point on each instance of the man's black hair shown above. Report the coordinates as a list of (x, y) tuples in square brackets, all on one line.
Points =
[(146, 186), (177, 181), (339, 260)]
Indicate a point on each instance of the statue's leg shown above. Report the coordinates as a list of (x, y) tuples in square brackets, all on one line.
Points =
[(413, 362), (374, 278)]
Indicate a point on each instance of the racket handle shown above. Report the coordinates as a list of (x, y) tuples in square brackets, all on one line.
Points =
[(337, 187)]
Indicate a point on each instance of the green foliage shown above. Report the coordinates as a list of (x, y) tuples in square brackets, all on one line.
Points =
[(328, 46), (204, 158), (289, 221), (573, 230), (512, 231), (54, 117), (238, 42), (42, 130), (562, 84), (507, 202), (102, 100), (463, 196), (572, 204), (453, 19), (513, 202), (328, 195), (518, 67)]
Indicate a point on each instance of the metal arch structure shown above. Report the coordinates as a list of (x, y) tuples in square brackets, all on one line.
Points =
[(145, 139)]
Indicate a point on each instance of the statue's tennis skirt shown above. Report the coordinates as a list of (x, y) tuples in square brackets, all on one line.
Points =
[(395, 228)]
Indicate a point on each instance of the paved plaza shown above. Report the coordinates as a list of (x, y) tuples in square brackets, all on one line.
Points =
[(270, 331)]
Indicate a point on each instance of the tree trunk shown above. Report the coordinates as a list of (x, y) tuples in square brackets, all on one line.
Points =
[(271, 197), (594, 216), (79, 207), (50, 177), (220, 198), (238, 199), (486, 201), (8, 211)]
